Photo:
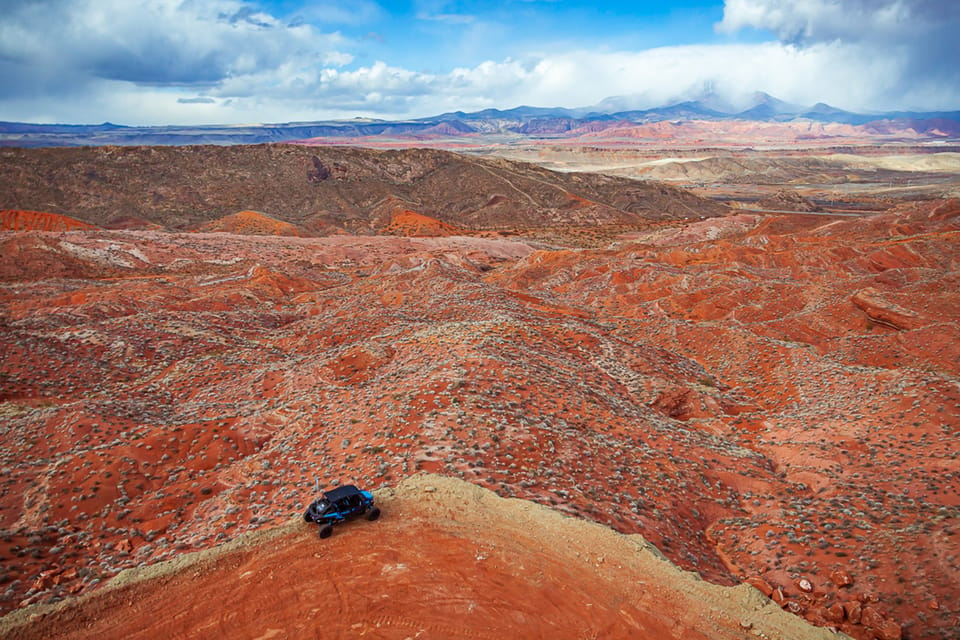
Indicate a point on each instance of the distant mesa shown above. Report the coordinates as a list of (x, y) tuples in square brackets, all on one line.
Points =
[(16, 220), (408, 223), (251, 223), (449, 128)]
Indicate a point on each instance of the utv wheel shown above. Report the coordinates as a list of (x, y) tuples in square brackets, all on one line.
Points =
[(307, 517), (374, 513), (325, 531)]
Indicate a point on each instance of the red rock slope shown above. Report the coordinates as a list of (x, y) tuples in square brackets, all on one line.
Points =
[(14, 220), (404, 222), (446, 560), (764, 398), (251, 223), (832, 349)]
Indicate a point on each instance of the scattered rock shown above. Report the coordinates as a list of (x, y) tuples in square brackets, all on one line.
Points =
[(760, 585), (882, 627), (889, 630), (778, 596), (853, 611), (841, 577), (793, 607), (44, 581), (871, 617), (804, 585)]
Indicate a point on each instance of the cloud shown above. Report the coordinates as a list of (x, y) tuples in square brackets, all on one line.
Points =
[(670, 74), (812, 21), (918, 37), (197, 100), (155, 42), (649, 78), (448, 18), (188, 61)]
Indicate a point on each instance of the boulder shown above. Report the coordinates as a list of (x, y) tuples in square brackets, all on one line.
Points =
[(841, 577), (853, 611), (834, 613)]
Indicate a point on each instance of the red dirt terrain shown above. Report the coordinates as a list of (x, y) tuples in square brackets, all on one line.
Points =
[(404, 222), (251, 223), (13, 220), (447, 560), (770, 399)]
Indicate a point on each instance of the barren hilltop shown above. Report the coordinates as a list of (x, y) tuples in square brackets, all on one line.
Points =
[(325, 190), (447, 560), (766, 399)]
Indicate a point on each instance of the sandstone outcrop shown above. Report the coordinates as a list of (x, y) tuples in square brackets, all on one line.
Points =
[(882, 311)]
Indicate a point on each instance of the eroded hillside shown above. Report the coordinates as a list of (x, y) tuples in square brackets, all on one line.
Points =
[(323, 190), (771, 399)]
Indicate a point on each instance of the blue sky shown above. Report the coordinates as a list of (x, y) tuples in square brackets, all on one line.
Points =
[(449, 34), (238, 61)]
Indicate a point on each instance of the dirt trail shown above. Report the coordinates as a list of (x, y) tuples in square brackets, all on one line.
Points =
[(447, 560)]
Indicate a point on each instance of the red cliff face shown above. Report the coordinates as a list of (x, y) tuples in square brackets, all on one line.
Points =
[(765, 399)]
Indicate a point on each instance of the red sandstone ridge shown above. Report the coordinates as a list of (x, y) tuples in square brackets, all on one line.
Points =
[(14, 220), (251, 223), (446, 560), (404, 222)]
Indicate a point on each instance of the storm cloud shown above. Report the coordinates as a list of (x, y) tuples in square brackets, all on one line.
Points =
[(918, 38)]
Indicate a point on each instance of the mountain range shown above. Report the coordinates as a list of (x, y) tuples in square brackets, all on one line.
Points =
[(519, 123)]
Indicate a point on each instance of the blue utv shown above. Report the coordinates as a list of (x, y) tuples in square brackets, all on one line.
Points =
[(339, 505)]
